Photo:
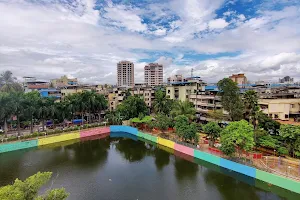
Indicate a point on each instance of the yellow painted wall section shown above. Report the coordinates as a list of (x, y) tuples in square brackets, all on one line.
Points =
[(166, 143), (59, 138)]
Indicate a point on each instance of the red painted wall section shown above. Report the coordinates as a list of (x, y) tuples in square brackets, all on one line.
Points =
[(184, 149), (94, 131)]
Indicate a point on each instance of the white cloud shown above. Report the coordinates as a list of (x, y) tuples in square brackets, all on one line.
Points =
[(125, 17), (218, 24)]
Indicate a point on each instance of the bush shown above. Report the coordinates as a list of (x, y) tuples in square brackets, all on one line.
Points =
[(283, 151)]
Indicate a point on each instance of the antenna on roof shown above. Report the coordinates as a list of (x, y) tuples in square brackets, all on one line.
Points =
[(192, 72)]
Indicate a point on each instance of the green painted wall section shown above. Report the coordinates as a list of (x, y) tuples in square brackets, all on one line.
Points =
[(147, 137), (18, 145), (207, 157), (278, 181)]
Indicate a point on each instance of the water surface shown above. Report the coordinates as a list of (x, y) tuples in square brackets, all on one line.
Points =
[(116, 168)]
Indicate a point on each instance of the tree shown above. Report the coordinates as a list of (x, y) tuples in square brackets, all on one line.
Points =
[(114, 118), (290, 135), (18, 107), (161, 103), (267, 141), (250, 100), (132, 107), (186, 130), (5, 109), (213, 130), (268, 124), (230, 98), (100, 105), (8, 83), (217, 115), (162, 122), (237, 135), (184, 108), (28, 189), (31, 100)]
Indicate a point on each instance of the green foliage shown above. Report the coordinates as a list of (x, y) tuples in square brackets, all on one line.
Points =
[(267, 123), (114, 118), (186, 130), (132, 107), (161, 103), (183, 108), (162, 122), (216, 115), (230, 98), (28, 189), (213, 130), (237, 134), (250, 100), (8, 83), (283, 151), (291, 135), (268, 141), (143, 120)]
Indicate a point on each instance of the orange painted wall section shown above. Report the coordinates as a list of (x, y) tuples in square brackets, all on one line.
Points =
[(184, 149), (94, 131)]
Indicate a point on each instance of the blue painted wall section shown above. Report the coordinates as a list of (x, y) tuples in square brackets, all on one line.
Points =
[(125, 129), (243, 169), (18, 145)]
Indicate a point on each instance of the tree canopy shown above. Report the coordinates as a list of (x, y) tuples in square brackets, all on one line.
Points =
[(132, 107), (161, 103), (185, 108), (213, 130), (231, 99), (28, 189), (185, 129), (237, 135)]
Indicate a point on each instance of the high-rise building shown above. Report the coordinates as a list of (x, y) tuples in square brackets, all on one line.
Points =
[(125, 70), (153, 74)]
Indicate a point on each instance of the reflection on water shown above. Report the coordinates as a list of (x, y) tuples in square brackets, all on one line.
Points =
[(123, 168)]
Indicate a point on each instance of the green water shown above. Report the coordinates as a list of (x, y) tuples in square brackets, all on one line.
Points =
[(126, 169)]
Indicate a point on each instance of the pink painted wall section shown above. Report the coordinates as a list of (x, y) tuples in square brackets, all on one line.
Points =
[(95, 137), (94, 131), (184, 149)]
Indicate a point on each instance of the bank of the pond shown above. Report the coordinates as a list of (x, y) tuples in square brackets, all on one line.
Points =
[(239, 168)]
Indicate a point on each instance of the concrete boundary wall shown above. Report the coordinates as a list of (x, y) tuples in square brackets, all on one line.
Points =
[(94, 132), (254, 173), (18, 145), (273, 179), (58, 138)]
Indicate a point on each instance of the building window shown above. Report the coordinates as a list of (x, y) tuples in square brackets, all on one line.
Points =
[(292, 105), (286, 116), (276, 116), (169, 91)]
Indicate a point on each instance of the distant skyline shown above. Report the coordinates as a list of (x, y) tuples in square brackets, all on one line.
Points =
[(87, 38)]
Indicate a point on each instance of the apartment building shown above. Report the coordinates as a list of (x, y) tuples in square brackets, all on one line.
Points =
[(240, 79), (176, 79), (32, 84), (125, 74), (282, 109), (63, 82), (153, 74)]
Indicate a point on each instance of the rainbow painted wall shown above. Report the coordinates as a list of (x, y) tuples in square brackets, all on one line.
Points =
[(239, 168), (97, 133)]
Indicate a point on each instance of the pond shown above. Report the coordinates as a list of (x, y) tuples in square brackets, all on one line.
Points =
[(125, 168)]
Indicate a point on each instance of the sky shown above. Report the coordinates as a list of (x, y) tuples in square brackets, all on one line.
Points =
[(87, 38)]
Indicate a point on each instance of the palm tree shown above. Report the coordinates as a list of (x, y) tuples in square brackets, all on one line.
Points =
[(5, 109), (44, 109), (31, 100), (250, 100), (100, 105), (161, 103), (8, 83), (184, 108), (18, 107)]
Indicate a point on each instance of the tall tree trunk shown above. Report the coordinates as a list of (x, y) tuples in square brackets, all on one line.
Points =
[(99, 116), (18, 125), (5, 127), (43, 124), (31, 124), (82, 118)]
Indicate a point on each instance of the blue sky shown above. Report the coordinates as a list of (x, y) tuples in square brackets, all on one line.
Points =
[(86, 38)]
